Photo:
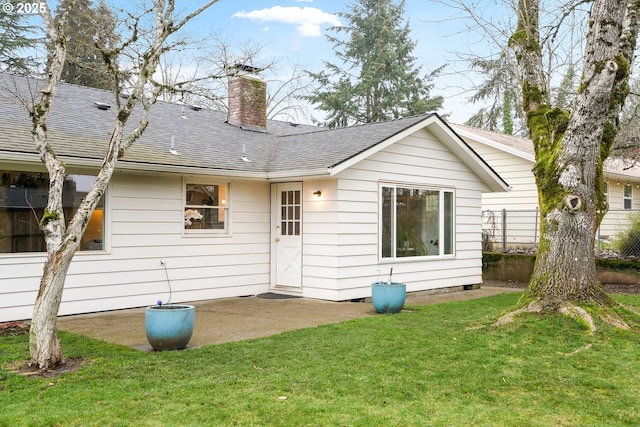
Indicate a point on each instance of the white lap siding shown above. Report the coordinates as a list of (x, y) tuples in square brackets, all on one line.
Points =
[(347, 234), (144, 224)]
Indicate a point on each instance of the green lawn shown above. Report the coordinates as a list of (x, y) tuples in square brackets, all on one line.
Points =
[(439, 365)]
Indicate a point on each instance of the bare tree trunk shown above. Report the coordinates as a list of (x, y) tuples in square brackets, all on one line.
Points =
[(61, 240), (570, 148), (44, 344)]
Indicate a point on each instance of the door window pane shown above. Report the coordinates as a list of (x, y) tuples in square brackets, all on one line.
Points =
[(290, 213)]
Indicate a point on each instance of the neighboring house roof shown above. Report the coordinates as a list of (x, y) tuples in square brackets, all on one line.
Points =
[(79, 130), (614, 167), (520, 147)]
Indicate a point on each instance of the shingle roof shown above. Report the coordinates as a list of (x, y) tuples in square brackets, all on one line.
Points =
[(330, 147), (517, 143), (79, 132), (78, 129)]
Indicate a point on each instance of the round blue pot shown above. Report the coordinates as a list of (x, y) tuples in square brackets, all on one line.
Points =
[(169, 326), (388, 297)]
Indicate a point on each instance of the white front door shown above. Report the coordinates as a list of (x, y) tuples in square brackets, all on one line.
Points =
[(288, 235)]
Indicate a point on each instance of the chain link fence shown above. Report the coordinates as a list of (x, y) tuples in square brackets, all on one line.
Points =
[(519, 231)]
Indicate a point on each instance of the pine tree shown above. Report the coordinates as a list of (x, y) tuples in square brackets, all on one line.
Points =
[(17, 40), (378, 79), (88, 28), (565, 94), (507, 118), (500, 92)]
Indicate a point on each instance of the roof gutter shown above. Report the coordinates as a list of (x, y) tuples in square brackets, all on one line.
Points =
[(123, 165), (310, 173)]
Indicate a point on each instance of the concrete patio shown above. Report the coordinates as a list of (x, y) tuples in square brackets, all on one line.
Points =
[(235, 319)]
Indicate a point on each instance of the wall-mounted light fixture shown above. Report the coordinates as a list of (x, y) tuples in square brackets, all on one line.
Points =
[(317, 194)]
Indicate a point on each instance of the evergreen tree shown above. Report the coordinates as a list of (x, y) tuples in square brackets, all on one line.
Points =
[(565, 94), (89, 29), (378, 79), (627, 144), (507, 119), (16, 41), (500, 92)]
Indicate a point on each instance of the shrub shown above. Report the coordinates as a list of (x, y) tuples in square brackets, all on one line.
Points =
[(487, 241), (629, 243)]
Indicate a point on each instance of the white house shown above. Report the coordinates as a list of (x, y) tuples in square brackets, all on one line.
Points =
[(208, 205), (513, 158)]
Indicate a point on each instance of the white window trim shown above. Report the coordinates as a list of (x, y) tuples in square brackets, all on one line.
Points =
[(226, 232), (441, 255)]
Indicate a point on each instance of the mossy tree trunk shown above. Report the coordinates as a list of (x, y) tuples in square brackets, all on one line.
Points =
[(570, 147)]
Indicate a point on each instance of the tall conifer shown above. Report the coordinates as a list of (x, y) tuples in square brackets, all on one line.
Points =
[(378, 79)]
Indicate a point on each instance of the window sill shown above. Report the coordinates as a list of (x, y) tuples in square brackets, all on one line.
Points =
[(36, 255), (205, 233), (416, 259)]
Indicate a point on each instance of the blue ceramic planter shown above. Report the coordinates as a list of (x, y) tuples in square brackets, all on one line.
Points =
[(388, 297), (170, 326)]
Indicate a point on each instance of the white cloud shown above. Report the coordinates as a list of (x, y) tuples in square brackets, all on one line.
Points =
[(306, 19)]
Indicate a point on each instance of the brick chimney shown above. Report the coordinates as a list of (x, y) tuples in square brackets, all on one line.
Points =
[(247, 99)]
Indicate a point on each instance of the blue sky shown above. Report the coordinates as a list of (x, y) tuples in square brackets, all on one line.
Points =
[(293, 32)]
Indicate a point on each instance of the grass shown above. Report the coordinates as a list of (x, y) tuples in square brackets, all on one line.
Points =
[(440, 365)]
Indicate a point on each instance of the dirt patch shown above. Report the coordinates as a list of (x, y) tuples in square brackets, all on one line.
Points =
[(27, 370), (12, 329)]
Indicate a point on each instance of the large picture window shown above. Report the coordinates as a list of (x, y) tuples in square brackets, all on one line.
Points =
[(23, 198), (416, 222), (206, 207)]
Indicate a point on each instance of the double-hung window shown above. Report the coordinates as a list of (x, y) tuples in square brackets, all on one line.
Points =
[(206, 207), (627, 196), (416, 221)]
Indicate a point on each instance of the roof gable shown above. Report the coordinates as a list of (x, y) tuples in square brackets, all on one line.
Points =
[(523, 148)]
